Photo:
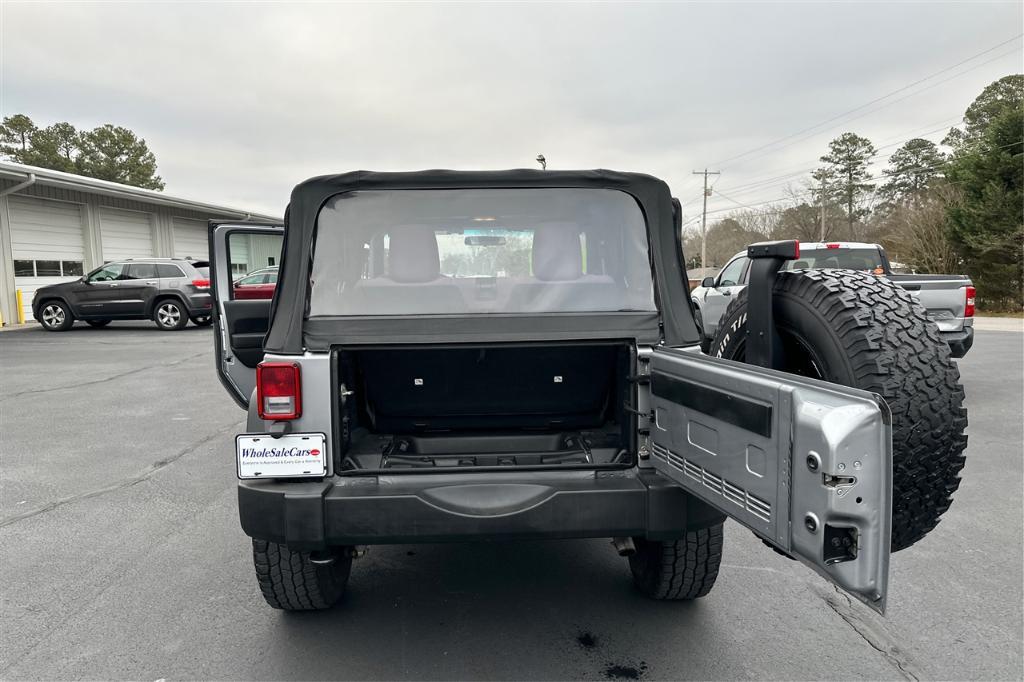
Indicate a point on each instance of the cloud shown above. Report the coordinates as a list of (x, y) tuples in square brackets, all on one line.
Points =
[(240, 101)]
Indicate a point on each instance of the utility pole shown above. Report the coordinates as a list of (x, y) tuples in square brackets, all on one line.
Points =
[(704, 217), (821, 198)]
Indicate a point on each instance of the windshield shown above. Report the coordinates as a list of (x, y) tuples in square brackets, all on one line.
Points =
[(434, 252), (866, 259)]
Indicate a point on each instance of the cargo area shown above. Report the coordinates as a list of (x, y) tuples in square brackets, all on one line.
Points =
[(497, 405)]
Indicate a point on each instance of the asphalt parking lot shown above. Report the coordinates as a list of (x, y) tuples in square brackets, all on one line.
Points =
[(121, 556)]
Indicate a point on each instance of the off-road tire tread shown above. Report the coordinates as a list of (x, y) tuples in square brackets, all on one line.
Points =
[(289, 581), (896, 351), (681, 569)]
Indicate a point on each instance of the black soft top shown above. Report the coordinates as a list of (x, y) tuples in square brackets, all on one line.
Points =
[(291, 333)]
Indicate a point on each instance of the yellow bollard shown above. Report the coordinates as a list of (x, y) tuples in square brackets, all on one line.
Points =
[(21, 308)]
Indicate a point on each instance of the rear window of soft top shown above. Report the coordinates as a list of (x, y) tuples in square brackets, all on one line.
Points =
[(469, 251)]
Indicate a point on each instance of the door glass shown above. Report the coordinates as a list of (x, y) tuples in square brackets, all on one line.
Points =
[(142, 271), (167, 271), (252, 279), (252, 257), (108, 273), (731, 274)]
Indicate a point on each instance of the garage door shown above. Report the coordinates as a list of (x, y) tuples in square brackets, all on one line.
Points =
[(190, 239), (239, 248), (126, 234), (46, 244)]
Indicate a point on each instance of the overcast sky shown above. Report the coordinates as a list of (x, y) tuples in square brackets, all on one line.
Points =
[(241, 101)]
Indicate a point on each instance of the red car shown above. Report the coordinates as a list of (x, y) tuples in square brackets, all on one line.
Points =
[(259, 284)]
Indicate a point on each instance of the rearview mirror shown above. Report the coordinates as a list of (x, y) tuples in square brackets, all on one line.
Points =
[(708, 282), (484, 240)]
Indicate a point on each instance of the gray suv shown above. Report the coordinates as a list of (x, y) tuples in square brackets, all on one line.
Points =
[(169, 291), (463, 356)]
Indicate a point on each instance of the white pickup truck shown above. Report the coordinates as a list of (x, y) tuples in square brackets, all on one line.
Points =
[(949, 299)]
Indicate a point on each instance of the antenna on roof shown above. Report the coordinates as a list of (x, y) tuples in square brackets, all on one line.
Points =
[(542, 161)]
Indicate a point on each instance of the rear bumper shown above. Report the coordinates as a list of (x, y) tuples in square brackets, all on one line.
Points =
[(959, 341), (426, 508), (200, 304)]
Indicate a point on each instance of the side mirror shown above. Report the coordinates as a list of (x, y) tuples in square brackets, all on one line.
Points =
[(84, 279), (708, 282)]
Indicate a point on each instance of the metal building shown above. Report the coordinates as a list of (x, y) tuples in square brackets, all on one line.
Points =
[(56, 226)]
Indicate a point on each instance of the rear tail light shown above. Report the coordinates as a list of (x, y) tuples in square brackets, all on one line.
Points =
[(969, 302), (796, 246), (201, 283), (278, 390)]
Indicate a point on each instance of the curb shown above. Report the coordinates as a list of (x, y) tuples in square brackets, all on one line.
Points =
[(998, 324)]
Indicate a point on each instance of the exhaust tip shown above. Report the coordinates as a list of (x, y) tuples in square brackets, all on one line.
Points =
[(624, 546)]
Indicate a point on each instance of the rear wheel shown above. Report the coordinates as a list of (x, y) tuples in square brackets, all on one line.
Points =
[(56, 316), (863, 331), (698, 317), (678, 569), (97, 323), (170, 314), (290, 581)]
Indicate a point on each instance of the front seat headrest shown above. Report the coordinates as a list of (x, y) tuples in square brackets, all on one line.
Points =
[(556, 253), (412, 255)]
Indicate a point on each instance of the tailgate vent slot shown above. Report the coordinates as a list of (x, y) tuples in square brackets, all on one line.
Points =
[(715, 484)]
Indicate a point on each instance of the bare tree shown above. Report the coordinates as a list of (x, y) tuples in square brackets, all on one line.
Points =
[(916, 231)]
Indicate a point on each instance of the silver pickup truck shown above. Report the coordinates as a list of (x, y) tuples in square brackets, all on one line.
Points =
[(949, 299)]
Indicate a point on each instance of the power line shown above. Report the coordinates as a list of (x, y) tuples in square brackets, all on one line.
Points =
[(775, 200), (757, 185), (881, 98), (913, 94), (768, 181)]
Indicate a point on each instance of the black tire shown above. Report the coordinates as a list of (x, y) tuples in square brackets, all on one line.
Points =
[(202, 320), (56, 316), (291, 582), (860, 330), (681, 569), (698, 317), (170, 314), (97, 323)]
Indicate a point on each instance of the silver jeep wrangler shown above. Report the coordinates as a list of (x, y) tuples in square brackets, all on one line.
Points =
[(450, 356)]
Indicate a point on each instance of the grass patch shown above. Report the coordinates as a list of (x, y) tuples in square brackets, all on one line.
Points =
[(986, 313)]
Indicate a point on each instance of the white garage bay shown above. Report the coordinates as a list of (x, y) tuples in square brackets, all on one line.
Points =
[(56, 227)]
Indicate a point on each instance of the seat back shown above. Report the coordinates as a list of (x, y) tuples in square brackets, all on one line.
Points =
[(412, 281)]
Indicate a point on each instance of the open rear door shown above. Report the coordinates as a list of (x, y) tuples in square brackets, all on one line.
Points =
[(243, 272), (805, 464)]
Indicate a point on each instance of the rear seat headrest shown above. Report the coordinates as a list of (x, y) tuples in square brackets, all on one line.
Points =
[(412, 255), (556, 253)]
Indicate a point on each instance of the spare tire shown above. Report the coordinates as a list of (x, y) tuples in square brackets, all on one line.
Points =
[(859, 330)]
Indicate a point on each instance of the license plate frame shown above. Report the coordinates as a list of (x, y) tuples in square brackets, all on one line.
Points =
[(296, 460)]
